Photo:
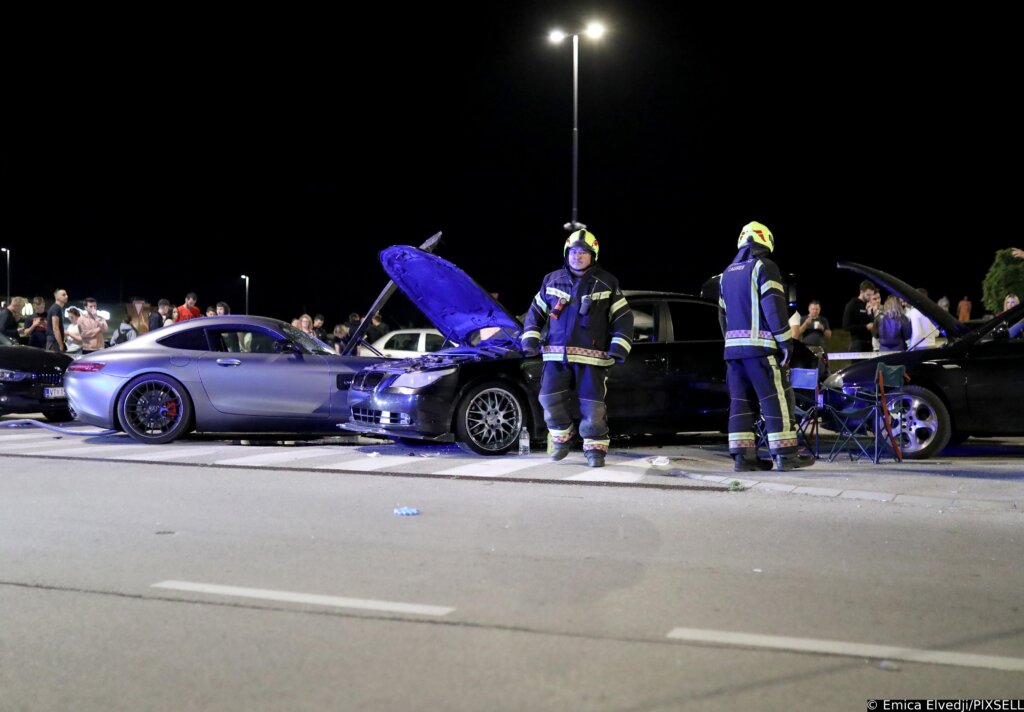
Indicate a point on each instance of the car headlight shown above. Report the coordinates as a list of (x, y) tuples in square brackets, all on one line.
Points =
[(10, 376), (420, 379), (835, 381)]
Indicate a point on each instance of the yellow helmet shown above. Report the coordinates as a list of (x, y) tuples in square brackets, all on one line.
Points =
[(583, 239), (758, 234)]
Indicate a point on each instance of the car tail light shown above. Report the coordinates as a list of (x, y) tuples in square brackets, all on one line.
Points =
[(87, 366)]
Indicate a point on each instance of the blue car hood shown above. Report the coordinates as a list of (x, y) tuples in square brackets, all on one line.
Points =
[(445, 294)]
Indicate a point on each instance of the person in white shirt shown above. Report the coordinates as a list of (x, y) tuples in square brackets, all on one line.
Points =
[(922, 330)]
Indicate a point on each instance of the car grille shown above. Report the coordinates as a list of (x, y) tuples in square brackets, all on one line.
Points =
[(50, 379), (380, 417), (367, 381)]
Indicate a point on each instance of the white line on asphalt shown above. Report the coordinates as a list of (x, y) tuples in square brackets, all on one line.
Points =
[(839, 647), (605, 474), (46, 447), (493, 468), (371, 463), (271, 458), (177, 452), (34, 435), (315, 599)]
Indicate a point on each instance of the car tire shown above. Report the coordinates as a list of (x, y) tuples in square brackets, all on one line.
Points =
[(489, 418), (922, 420), (59, 416), (154, 408)]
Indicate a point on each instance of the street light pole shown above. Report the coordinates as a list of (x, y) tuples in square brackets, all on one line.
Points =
[(246, 278), (8, 252), (594, 30)]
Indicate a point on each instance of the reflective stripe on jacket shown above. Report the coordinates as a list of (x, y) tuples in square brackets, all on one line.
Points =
[(589, 320), (752, 309)]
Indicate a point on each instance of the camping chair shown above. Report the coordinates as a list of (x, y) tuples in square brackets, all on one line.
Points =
[(863, 422), (808, 406)]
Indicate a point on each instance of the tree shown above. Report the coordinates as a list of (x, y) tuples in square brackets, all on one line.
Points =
[(1006, 275)]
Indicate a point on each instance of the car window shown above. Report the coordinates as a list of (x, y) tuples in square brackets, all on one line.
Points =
[(643, 322), (189, 340), (241, 339), (403, 342), (694, 321), (306, 342), (434, 343)]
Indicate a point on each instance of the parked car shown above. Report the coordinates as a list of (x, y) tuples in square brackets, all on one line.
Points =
[(224, 374), (407, 343), (32, 381), (482, 393), (973, 385)]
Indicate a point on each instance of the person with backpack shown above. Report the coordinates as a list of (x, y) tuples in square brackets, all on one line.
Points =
[(892, 326), (124, 332)]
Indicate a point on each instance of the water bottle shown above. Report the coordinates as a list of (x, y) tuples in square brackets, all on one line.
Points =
[(524, 441)]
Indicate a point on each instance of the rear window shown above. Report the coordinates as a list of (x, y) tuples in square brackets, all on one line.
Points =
[(190, 340), (403, 342), (694, 321)]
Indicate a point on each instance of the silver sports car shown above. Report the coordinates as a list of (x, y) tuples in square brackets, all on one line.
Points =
[(222, 374)]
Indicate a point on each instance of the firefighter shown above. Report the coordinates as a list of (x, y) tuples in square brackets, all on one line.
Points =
[(758, 345), (590, 328)]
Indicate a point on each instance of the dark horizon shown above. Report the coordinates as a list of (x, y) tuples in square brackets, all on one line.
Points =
[(293, 153)]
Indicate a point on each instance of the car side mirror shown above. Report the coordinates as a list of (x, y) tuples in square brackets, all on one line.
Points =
[(286, 346)]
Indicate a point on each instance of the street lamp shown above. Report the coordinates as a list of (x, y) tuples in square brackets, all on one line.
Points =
[(594, 30), (246, 278)]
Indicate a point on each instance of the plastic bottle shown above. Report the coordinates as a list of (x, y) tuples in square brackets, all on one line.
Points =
[(524, 442)]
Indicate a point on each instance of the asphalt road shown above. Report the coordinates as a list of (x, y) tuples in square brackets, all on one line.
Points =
[(134, 585)]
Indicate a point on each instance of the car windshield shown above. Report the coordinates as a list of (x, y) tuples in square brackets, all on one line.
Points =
[(309, 343)]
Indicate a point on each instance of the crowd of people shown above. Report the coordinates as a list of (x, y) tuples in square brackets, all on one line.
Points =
[(55, 326)]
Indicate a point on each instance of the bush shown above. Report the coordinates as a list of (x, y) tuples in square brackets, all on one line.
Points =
[(1004, 276)]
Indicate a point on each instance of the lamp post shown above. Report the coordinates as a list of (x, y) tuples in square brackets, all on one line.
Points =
[(8, 253), (246, 278), (594, 30)]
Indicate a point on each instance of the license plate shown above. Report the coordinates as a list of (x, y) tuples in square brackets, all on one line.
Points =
[(53, 393)]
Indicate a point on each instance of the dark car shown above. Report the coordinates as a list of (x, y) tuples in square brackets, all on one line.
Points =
[(971, 386), (32, 381), (481, 394)]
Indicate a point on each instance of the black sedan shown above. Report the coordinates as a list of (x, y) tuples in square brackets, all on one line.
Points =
[(971, 386), (32, 381), (481, 394)]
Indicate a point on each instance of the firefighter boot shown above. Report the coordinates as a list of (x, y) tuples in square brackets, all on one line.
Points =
[(793, 462), (595, 458), (747, 461)]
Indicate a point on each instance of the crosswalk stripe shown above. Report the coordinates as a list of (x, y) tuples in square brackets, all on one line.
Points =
[(367, 464), (177, 452), (493, 467), (605, 474), (46, 447), (270, 458), (35, 435)]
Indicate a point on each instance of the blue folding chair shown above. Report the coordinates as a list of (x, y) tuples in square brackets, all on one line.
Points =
[(808, 406), (862, 419)]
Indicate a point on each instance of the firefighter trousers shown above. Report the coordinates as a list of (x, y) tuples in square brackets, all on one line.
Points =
[(760, 381), (560, 383)]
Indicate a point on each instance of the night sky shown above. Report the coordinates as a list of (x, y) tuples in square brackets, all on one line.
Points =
[(177, 153)]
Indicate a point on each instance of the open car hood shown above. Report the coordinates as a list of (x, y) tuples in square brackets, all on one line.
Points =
[(445, 294), (946, 322)]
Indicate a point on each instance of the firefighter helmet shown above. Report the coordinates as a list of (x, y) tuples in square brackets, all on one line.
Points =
[(758, 234), (583, 239)]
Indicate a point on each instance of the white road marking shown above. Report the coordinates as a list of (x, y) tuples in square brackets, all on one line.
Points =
[(365, 464), (34, 435), (605, 474), (315, 599), (839, 647), (493, 468), (174, 453), (271, 458), (47, 447)]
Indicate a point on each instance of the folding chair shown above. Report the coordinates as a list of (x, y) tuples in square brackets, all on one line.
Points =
[(808, 406), (863, 422)]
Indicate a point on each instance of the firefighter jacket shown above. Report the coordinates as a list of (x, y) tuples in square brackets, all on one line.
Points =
[(751, 307), (588, 319)]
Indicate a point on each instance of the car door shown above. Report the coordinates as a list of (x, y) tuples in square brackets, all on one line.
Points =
[(695, 372), (245, 375), (993, 372), (637, 398)]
